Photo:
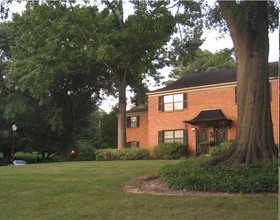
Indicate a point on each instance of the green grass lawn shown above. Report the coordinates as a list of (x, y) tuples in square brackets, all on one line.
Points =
[(93, 190)]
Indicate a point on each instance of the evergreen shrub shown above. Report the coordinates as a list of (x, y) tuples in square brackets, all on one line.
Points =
[(205, 146), (86, 152), (261, 177), (218, 150), (135, 153), (169, 150)]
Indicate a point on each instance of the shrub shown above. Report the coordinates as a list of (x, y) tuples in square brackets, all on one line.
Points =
[(122, 154), (218, 150), (262, 177), (169, 150), (86, 152), (205, 147)]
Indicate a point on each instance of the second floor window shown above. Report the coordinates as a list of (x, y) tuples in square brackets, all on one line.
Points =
[(133, 122), (173, 102)]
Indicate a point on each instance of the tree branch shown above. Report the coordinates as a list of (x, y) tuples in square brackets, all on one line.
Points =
[(118, 14), (82, 31)]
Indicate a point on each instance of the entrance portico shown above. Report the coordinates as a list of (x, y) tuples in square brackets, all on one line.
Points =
[(210, 125)]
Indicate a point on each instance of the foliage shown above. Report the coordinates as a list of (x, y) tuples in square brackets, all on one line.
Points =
[(169, 150), (119, 46), (109, 130), (85, 151), (53, 83), (99, 130), (205, 61), (205, 146), (218, 150), (123, 154), (262, 177)]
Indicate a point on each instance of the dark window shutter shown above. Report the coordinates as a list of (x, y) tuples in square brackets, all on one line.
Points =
[(185, 103), (185, 136), (128, 125), (160, 103), (185, 142), (160, 137), (138, 121)]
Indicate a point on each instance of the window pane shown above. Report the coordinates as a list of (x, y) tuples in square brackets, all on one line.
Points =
[(133, 122), (168, 99), (178, 98), (179, 134), (168, 140), (134, 144), (178, 105), (168, 134), (180, 140), (168, 107)]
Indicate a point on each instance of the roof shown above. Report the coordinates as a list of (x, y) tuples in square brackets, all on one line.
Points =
[(209, 115), (138, 109), (207, 78)]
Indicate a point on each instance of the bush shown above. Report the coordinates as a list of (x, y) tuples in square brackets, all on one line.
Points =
[(122, 154), (262, 177), (169, 150), (205, 147), (218, 150), (85, 153)]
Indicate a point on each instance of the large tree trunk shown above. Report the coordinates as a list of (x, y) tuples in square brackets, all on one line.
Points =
[(122, 118), (248, 25)]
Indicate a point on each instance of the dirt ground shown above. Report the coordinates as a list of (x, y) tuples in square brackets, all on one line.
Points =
[(152, 184)]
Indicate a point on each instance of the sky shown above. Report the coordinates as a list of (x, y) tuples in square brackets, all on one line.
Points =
[(213, 42)]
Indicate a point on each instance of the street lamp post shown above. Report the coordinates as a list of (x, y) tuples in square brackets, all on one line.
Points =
[(14, 129)]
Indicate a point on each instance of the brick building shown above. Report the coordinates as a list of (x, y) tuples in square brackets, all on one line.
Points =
[(195, 108)]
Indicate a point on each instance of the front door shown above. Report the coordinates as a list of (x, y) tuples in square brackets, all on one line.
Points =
[(220, 135), (202, 135)]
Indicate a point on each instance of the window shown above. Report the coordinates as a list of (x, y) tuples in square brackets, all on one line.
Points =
[(133, 122), (173, 136), (133, 144), (172, 102)]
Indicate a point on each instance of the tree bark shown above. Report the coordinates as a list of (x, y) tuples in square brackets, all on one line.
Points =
[(254, 137), (122, 117)]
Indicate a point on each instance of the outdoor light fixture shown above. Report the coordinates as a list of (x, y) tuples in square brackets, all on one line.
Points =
[(14, 129), (193, 129)]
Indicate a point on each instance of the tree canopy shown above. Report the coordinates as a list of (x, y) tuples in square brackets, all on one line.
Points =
[(204, 60), (52, 74)]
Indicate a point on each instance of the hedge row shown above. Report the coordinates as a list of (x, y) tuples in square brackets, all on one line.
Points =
[(190, 175), (122, 154), (169, 150), (162, 151)]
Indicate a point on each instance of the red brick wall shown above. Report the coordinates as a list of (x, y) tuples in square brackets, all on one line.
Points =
[(139, 134), (210, 98), (198, 100), (222, 97), (275, 108)]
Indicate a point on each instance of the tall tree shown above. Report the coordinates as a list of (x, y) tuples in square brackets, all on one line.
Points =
[(249, 23), (130, 48), (53, 69)]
